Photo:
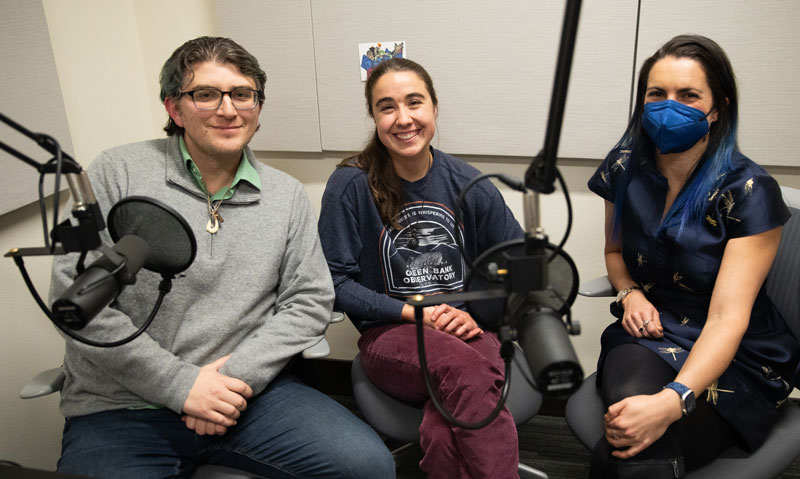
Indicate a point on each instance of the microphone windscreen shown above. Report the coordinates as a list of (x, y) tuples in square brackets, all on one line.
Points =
[(171, 242)]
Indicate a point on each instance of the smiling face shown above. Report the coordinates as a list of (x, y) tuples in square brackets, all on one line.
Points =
[(404, 114), (682, 80), (221, 134)]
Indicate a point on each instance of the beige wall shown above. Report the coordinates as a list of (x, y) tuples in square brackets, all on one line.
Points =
[(108, 54)]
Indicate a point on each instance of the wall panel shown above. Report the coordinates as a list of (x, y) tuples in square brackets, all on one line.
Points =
[(31, 96), (493, 65), (279, 34), (762, 41)]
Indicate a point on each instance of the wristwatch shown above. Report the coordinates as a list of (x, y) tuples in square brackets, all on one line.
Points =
[(625, 292), (686, 395)]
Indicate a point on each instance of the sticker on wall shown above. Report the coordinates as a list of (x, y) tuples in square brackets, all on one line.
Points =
[(371, 55)]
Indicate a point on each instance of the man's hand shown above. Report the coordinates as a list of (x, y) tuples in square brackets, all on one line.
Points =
[(455, 322), (202, 427), (216, 398)]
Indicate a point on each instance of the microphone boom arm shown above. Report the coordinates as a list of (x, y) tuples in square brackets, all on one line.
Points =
[(79, 238), (540, 175)]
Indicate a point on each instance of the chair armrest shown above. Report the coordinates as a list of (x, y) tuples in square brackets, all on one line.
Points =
[(319, 350), (597, 288), (44, 383)]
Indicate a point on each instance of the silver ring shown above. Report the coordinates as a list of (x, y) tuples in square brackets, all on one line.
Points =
[(641, 330), (614, 435), (646, 322)]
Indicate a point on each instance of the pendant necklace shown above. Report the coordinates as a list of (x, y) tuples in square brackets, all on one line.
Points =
[(214, 218)]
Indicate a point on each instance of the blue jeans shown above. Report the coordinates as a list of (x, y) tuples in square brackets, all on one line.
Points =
[(288, 431)]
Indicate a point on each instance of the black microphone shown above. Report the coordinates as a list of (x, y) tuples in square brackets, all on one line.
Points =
[(101, 282), (543, 337)]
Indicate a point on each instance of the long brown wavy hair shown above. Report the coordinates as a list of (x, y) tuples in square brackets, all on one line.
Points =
[(384, 183)]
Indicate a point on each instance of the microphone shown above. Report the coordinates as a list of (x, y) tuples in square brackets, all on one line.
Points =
[(549, 352), (540, 290), (101, 282)]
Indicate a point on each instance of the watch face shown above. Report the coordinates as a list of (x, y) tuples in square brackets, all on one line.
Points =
[(688, 402)]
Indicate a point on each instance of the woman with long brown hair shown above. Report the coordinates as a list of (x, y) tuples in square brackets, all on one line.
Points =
[(388, 231)]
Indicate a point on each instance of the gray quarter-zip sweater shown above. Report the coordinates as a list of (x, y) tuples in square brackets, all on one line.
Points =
[(259, 289)]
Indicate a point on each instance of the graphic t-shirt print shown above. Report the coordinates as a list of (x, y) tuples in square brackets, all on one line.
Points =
[(422, 257)]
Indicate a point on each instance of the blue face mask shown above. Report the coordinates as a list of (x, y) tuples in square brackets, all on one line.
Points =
[(673, 126)]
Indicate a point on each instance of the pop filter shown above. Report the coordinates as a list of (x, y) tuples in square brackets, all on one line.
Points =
[(560, 293), (169, 237)]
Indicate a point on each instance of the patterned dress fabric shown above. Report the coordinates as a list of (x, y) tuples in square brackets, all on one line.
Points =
[(677, 268)]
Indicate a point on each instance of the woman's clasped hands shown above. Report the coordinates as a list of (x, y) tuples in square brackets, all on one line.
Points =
[(453, 321)]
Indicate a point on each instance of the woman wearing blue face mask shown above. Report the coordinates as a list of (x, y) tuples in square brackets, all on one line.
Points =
[(699, 359)]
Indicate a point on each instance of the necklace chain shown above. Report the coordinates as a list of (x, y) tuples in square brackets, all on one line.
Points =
[(214, 217)]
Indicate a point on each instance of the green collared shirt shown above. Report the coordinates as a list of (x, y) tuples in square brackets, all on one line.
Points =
[(245, 172)]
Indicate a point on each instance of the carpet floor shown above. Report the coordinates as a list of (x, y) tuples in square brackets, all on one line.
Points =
[(547, 444)]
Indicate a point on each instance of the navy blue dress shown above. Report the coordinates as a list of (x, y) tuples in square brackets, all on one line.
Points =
[(677, 270)]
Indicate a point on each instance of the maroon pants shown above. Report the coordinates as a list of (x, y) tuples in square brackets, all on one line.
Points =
[(468, 376)]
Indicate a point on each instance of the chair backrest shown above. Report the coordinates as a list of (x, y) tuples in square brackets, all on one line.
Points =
[(783, 281)]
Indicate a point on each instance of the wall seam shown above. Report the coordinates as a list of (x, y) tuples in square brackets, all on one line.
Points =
[(316, 73), (635, 54)]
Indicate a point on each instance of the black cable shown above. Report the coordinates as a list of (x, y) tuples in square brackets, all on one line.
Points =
[(59, 160), (423, 363), (43, 210), (518, 186), (163, 289), (508, 181), (57, 185), (561, 243)]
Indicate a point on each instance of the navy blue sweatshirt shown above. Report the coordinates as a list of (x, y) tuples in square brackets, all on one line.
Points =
[(375, 267)]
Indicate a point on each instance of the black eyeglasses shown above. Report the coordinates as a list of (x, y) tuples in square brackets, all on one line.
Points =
[(211, 98)]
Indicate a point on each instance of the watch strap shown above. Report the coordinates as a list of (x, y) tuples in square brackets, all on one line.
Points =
[(686, 395)]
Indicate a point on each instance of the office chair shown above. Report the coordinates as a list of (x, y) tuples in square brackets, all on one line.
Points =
[(400, 421), (52, 380), (584, 410)]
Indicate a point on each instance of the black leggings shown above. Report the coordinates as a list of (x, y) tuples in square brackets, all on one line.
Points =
[(632, 369)]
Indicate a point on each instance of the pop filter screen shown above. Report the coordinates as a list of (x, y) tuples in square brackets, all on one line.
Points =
[(560, 293), (169, 237)]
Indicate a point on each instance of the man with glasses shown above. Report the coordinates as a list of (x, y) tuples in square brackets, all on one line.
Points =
[(207, 383)]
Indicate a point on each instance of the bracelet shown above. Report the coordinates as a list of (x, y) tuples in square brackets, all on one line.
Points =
[(625, 292)]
